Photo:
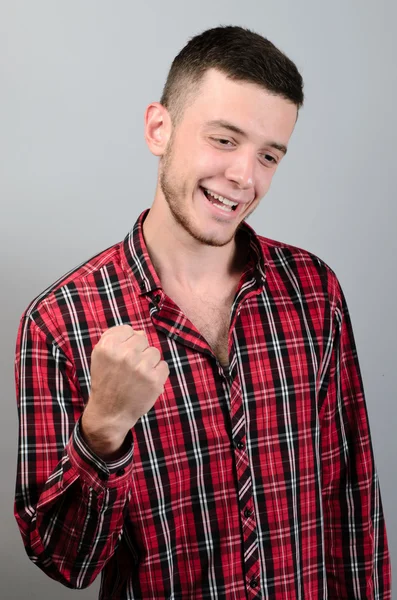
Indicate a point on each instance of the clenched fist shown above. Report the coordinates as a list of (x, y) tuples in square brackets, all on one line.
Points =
[(127, 377)]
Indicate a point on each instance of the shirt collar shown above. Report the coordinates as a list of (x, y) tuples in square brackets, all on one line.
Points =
[(135, 257)]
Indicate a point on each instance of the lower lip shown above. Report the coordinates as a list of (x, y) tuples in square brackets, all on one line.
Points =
[(229, 215)]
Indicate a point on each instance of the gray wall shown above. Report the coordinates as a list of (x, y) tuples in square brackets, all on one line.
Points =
[(75, 173)]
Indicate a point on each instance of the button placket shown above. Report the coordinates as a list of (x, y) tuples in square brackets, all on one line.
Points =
[(254, 582), (245, 488)]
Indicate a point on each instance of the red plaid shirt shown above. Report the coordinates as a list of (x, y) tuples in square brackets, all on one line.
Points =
[(255, 481)]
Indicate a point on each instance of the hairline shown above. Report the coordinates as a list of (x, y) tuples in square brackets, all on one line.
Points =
[(196, 79)]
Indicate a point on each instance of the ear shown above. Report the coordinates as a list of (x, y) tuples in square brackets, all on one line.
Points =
[(157, 128)]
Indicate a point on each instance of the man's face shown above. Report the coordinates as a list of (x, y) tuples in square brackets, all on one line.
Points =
[(229, 142)]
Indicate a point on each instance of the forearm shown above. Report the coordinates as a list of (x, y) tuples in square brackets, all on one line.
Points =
[(356, 549), (69, 502), (73, 528)]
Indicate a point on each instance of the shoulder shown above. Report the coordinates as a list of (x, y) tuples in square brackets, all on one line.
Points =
[(72, 288), (302, 268)]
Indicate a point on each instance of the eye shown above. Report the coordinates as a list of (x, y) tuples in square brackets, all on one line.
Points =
[(269, 159), (223, 142)]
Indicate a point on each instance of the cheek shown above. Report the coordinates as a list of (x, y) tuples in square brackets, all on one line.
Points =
[(210, 161), (194, 166)]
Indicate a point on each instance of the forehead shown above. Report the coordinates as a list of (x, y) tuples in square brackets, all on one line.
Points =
[(247, 105)]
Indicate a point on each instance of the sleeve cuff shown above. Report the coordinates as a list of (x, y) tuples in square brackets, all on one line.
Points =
[(93, 470)]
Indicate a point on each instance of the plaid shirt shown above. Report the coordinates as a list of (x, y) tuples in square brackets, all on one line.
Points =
[(252, 481)]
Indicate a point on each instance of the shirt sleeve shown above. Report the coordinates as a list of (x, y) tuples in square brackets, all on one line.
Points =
[(356, 547), (69, 503)]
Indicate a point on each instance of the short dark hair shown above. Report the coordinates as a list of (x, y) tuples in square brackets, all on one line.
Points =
[(239, 53)]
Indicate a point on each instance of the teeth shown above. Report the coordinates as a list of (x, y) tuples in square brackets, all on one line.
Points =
[(221, 199)]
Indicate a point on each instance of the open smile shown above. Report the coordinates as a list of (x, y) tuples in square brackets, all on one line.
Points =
[(220, 202)]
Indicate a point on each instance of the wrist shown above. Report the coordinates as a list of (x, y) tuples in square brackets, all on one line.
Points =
[(104, 440)]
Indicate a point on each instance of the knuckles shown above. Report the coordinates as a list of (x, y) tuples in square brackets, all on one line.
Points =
[(136, 355)]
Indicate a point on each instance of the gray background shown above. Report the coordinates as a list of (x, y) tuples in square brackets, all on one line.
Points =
[(75, 173)]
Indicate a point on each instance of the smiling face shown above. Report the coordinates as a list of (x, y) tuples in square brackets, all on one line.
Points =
[(229, 143)]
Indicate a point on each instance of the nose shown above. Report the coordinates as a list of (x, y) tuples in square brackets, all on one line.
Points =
[(242, 169)]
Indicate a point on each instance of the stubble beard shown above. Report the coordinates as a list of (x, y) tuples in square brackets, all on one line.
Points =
[(175, 194)]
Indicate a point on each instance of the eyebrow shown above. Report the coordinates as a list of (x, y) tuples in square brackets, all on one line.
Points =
[(226, 125)]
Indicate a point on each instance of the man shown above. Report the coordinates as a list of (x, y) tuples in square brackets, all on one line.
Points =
[(193, 423)]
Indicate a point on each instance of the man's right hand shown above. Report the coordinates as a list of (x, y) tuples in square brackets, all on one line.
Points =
[(127, 377)]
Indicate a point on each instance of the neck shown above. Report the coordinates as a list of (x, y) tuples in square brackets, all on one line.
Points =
[(179, 258)]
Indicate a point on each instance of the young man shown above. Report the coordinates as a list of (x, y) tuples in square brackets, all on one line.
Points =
[(193, 423)]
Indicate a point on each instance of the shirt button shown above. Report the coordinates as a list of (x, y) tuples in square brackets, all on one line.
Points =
[(120, 472), (157, 298), (240, 445), (142, 286), (247, 513), (254, 582)]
